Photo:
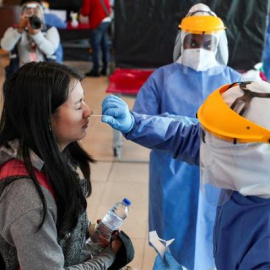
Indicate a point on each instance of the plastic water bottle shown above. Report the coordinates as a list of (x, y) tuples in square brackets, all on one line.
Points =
[(112, 221)]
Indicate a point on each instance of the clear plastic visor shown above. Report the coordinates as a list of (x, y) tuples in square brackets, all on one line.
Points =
[(196, 41)]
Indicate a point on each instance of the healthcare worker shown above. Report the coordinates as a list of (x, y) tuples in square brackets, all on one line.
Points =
[(235, 157), (200, 58)]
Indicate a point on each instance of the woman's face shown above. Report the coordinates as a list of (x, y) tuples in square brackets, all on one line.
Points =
[(70, 121)]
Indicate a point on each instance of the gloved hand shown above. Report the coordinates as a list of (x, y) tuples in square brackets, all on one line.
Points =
[(168, 263), (116, 113)]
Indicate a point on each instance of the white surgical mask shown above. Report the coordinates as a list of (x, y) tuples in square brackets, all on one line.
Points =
[(198, 59)]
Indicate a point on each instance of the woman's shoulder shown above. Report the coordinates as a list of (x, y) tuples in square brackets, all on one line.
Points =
[(21, 197)]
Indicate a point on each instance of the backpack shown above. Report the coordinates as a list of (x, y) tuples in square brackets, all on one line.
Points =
[(16, 168)]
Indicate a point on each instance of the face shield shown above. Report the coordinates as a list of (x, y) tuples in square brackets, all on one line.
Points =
[(235, 137), (201, 44)]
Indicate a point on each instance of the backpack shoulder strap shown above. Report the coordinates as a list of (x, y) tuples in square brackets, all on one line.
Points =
[(15, 167), (105, 8)]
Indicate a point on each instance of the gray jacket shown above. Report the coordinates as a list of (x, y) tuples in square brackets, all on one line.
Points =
[(21, 213)]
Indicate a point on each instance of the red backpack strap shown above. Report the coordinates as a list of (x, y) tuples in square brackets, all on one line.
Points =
[(15, 167)]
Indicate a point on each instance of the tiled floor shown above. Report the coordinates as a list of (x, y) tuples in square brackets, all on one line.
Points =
[(113, 180)]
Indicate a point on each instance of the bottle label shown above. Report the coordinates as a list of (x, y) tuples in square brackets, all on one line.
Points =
[(112, 221)]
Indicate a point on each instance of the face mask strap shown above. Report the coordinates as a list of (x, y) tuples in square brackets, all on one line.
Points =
[(247, 97)]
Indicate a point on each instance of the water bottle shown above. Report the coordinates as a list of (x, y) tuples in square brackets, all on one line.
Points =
[(112, 221)]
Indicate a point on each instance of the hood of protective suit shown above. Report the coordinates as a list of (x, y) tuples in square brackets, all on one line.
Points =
[(220, 55)]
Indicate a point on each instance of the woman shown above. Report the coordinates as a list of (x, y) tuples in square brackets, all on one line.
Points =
[(43, 223)]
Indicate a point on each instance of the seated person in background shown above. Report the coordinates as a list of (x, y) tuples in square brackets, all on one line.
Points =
[(30, 40)]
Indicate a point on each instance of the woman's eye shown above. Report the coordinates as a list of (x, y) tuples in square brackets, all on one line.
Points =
[(80, 105)]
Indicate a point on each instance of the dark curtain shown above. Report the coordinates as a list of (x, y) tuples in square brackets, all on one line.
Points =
[(145, 30), (69, 5)]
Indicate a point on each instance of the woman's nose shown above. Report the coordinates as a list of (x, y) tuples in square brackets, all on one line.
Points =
[(87, 111)]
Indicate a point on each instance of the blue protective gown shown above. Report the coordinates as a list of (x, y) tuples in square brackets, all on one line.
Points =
[(174, 185), (242, 233), (242, 225)]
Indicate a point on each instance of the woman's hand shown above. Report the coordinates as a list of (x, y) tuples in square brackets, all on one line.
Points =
[(116, 242), (103, 241), (116, 245)]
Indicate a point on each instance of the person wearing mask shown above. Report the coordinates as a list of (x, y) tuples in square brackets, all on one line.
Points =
[(98, 13), (45, 173), (231, 144), (200, 59), (30, 40)]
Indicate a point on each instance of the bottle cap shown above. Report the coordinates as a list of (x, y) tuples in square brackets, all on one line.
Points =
[(127, 201)]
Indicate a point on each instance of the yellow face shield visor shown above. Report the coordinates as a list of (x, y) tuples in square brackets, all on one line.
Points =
[(219, 119), (201, 24)]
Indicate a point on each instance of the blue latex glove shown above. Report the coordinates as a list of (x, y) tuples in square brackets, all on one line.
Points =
[(116, 113), (168, 263)]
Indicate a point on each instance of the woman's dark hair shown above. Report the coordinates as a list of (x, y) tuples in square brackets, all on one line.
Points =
[(31, 96)]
